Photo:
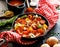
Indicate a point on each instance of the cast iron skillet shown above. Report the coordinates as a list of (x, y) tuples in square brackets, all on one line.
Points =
[(35, 37)]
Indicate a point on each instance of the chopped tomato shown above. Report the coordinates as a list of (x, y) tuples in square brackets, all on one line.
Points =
[(40, 30), (42, 21)]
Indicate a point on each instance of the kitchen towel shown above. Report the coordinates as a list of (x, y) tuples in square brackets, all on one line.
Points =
[(48, 9)]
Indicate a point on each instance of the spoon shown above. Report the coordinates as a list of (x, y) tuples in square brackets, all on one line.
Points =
[(34, 3)]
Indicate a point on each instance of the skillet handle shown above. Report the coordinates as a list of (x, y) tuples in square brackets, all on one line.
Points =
[(2, 41)]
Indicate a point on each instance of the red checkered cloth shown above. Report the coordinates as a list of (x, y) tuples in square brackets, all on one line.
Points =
[(47, 9), (11, 36)]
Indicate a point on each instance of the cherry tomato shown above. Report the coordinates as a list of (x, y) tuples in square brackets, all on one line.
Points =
[(29, 9)]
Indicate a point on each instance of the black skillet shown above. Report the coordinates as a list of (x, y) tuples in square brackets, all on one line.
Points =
[(24, 38)]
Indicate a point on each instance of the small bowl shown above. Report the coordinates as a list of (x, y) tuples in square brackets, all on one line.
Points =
[(47, 23), (16, 9)]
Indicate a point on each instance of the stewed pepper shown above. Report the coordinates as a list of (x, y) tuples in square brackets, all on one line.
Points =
[(30, 26)]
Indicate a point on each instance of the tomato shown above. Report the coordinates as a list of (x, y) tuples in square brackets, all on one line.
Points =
[(42, 21), (40, 30), (29, 9)]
